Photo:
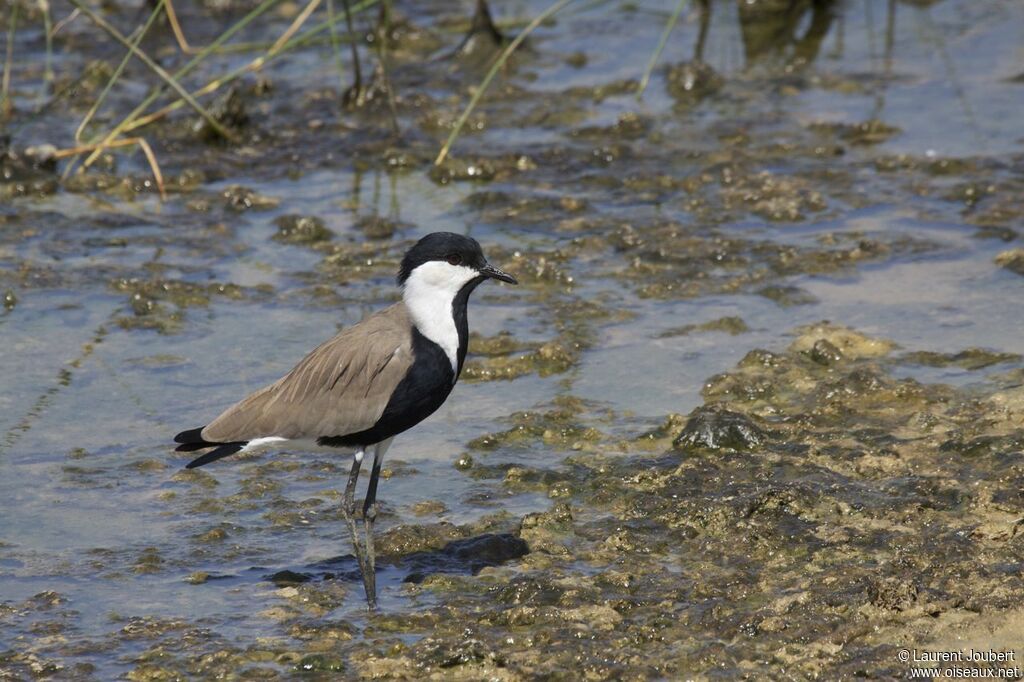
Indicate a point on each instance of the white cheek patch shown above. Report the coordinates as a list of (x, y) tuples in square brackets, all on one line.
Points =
[(428, 295)]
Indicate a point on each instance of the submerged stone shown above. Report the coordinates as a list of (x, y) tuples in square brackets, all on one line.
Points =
[(690, 82), (314, 663), (457, 170), (969, 358), (229, 110), (288, 578), (716, 428), (446, 654), (483, 40), (468, 555), (788, 296), (1012, 260), (297, 229), (31, 172), (488, 549), (868, 132), (241, 198), (851, 343), (406, 539), (825, 353), (378, 227), (731, 325), (429, 508)]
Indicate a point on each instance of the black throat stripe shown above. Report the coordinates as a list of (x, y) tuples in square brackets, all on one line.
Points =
[(423, 389), (459, 313), (425, 386)]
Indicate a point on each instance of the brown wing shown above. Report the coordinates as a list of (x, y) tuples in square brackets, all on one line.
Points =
[(341, 387)]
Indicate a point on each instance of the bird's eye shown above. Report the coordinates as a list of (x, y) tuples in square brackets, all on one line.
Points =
[(454, 259)]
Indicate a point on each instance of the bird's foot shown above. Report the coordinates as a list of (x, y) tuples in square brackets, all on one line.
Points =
[(370, 570), (360, 94), (350, 520)]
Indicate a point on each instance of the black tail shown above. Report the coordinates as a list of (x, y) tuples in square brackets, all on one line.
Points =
[(192, 440), (191, 436)]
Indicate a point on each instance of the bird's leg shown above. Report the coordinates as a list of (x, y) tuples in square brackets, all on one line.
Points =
[(348, 509), (382, 32), (483, 36), (369, 516), (355, 96)]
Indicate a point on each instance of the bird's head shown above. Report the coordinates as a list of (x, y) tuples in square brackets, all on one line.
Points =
[(444, 263)]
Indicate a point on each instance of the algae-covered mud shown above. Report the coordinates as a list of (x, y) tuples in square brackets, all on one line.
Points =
[(755, 411)]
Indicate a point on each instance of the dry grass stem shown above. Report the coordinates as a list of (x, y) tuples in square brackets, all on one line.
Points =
[(154, 166), (498, 63)]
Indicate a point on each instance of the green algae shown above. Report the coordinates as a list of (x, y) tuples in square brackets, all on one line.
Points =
[(549, 358), (497, 207), (429, 508), (296, 229), (755, 541), (676, 261), (1012, 260), (229, 110), (240, 198), (690, 82), (502, 343), (868, 132), (969, 359), (147, 299), (731, 325), (560, 426), (378, 227)]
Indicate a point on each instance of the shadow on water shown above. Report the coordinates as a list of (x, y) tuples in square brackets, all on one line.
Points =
[(467, 555), (793, 28)]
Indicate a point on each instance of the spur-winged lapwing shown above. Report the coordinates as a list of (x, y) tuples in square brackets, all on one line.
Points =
[(370, 382)]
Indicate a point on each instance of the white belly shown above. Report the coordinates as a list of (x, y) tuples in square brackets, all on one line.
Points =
[(308, 445), (296, 445)]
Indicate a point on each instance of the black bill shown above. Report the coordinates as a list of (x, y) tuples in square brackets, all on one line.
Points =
[(494, 273)]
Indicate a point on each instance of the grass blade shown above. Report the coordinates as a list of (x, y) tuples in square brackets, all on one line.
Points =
[(153, 165), (64, 22), (336, 46), (358, 83), (5, 84), (297, 41), (179, 35), (117, 72), (657, 50), (128, 141), (44, 9), (295, 26), (498, 63), (155, 68), (180, 73)]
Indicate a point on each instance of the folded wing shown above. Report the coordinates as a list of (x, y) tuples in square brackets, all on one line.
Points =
[(341, 387)]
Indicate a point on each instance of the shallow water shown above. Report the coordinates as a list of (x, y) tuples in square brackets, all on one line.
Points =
[(94, 383)]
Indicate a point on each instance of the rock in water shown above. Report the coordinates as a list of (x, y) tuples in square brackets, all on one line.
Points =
[(716, 428)]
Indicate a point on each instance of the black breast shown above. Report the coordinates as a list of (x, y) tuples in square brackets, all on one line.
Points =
[(424, 388)]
